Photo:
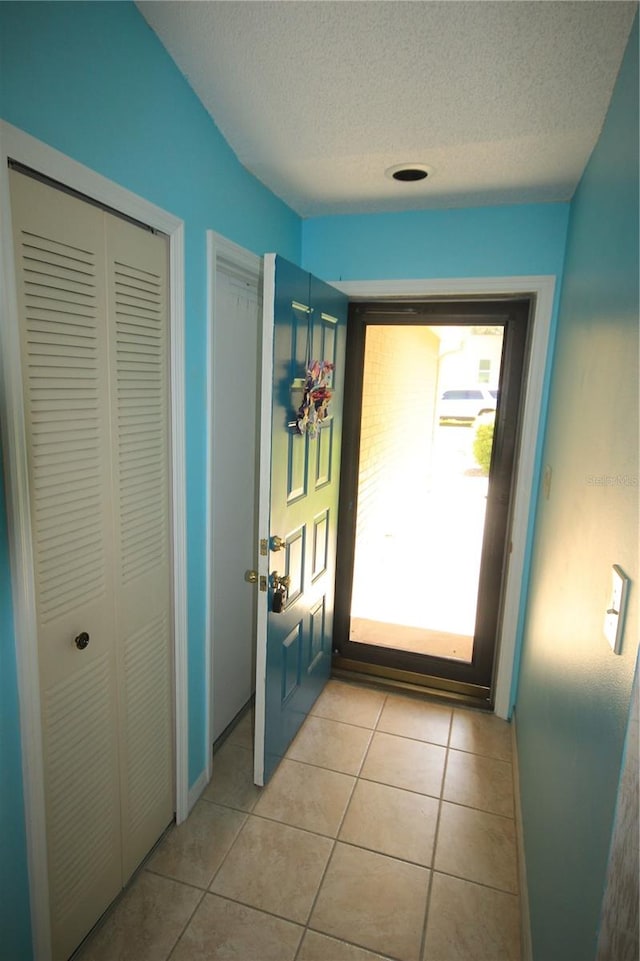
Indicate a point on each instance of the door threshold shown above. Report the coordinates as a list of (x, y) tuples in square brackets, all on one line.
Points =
[(442, 689)]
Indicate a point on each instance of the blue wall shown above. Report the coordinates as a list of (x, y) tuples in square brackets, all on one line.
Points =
[(15, 935), (469, 242), (574, 693), (93, 80)]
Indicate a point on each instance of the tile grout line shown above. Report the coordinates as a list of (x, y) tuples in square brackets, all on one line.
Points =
[(427, 907), (480, 810), (186, 925), (172, 877), (356, 778), (252, 907), (245, 815), (360, 727), (477, 884), (248, 815), (296, 827)]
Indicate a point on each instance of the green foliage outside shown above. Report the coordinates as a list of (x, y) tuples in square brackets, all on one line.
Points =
[(482, 444)]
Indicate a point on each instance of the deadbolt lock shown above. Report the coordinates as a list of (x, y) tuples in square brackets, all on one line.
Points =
[(282, 583), (280, 592), (278, 543)]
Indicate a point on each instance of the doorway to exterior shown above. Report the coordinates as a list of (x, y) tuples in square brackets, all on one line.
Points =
[(433, 397)]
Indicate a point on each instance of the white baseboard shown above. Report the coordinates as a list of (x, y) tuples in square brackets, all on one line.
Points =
[(196, 790), (525, 916)]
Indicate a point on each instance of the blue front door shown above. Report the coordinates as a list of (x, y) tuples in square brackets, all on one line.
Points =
[(305, 324)]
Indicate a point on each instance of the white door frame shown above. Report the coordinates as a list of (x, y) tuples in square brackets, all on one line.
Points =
[(543, 288), (16, 145), (221, 253)]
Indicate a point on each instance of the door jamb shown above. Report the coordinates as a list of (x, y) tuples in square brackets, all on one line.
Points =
[(17, 145), (220, 252), (542, 287)]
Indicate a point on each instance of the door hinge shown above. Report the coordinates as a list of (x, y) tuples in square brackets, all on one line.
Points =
[(264, 547), (263, 582)]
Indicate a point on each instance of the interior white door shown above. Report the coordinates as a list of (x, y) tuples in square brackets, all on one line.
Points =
[(236, 378), (95, 387)]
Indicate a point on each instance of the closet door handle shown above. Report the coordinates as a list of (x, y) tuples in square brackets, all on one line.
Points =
[(82, 641)]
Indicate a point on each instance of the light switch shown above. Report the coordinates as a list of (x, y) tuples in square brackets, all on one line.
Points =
[(614, 618)]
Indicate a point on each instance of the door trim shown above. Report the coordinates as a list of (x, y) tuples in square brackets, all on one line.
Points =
[(220, 252), (17, 145), (542, 288), (425, 668), (264, 492)]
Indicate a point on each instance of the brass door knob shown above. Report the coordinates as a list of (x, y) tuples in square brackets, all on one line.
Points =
[(251, 577)]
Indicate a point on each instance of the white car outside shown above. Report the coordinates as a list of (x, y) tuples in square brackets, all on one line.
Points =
[(463, 405)]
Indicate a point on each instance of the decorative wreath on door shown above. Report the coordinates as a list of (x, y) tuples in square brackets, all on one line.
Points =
[(316, 398)]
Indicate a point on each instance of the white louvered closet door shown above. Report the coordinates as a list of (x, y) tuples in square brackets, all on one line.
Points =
[(137, 297), (59, 248), (95, 387)]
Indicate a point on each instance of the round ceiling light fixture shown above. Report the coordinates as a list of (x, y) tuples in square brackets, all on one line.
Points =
[(409, 172)]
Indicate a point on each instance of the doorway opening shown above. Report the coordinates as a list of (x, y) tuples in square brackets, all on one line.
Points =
[(433, 400), (425, 452)]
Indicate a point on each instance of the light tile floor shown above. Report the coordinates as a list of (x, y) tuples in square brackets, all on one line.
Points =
[(386, 833)]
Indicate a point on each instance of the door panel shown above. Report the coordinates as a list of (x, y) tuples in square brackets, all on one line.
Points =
[(138, 325), (306, 321)]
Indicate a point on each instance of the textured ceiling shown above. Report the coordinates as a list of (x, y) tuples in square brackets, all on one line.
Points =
[(503, 100)]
